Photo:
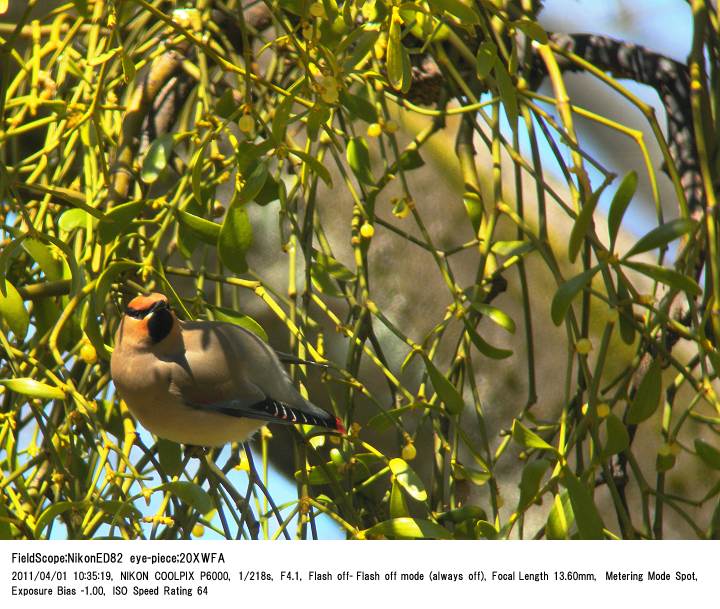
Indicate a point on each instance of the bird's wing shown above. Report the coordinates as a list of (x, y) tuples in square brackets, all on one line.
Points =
[(228, 370), (271, 410)]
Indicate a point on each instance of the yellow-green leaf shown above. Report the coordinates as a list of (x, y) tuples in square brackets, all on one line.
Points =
[(465, 14), (244, 321), (190, 493), (117, 220), (408, 479), (709, 454), (156, 158), (358, 158), (589, 523), (527, 438), (12, 310), (203, 229), (647, 396), (485, 59), (33, 389), (235, 238), (617, 439), (170, 456), (566, 293), (560, 518), (619, 205), (397, 61), (446, 391), (408, 528), (532, 475)]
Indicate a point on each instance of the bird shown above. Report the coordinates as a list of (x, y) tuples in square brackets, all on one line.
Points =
[(203, 383)]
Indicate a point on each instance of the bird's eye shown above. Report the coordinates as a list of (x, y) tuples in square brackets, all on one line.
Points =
[(136, 313), (143, 313)]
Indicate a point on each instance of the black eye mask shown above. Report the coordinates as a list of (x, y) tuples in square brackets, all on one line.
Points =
[(143, 313)]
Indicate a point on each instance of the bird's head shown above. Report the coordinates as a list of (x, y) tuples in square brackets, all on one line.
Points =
[(148, 319)]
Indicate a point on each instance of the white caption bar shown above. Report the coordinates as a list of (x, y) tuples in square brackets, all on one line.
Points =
[(355, 574)]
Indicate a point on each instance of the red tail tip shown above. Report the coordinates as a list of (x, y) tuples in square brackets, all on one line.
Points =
[(339, 426)]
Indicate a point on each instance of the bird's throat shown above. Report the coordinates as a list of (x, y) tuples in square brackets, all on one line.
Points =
[(159, 325)]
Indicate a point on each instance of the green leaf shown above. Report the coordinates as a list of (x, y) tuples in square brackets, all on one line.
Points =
[(485, 59), (6, 255), (582, 224), (104, 282), (483, 346), (670, 277), (410, 159), (532, 29), (156, 158), (91, 327), (42, 254), (406, 477), (456, 8), (117, 220), (77, 277), (253, 185), (54, 510), (269, 192), (5, 528), (532, 475), (334, 267), (408, 528), (618, 438), (203, 229), (474, 208), (476, 476), (170, 455), (365, 42), (116, 509), (386, 419), (358, 107), (319, 475), (566, 293), (527, 438), (33, 389), (398, 505), (560, 518), (244, 321), (315, 166), (196, 179), (358, 158), (507, 93), (501, 318), (625, 311), (484, 529), (462, 514), (324, 270), (446, 391), (75, 218), (647, 396), (281, 119), (103, 57), (620, 202), (709, 454), (589, 523), (190, 493), (397, 61), (512, 248), (660, 236), (12, 310), (226, 104), (235, 238)]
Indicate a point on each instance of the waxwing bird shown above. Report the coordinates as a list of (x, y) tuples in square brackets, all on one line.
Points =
[(203, 383)]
